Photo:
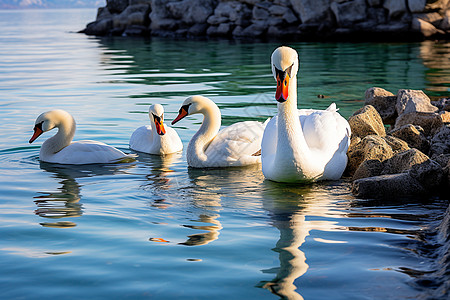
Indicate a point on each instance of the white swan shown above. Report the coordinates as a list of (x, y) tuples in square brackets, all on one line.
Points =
[(306, 144), (235, 145), (60, 149), (156, 138)]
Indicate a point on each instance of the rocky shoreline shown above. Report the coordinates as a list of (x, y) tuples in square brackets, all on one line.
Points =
[(295, 20), (411, 157)]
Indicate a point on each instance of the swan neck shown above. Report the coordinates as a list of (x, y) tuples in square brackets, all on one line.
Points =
[(206, 133), (63, 138)]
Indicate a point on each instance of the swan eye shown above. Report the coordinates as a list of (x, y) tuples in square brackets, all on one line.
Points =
[(39, 125), (185, 108)]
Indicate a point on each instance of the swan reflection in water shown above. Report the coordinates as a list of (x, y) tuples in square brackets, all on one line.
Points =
[(65, 203), (288, 206)]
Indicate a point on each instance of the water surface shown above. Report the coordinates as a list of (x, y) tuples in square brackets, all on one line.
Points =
[(156, 229)]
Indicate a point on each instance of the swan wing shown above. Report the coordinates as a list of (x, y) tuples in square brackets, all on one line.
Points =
[(88, 152), (141, 139), (237, 142)]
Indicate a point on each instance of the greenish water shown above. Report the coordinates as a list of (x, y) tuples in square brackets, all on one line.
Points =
[(156, 229)]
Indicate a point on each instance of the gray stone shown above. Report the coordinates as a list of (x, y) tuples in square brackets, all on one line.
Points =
[(368, 168), (414, 136), (396, 144), (374, 3), (430, 122), (260, 13), (366, 121), (442, 104), (383, 186), (440, 143), (416, 5), (429, 173), (384, 102), (404, 161), (311, 11), (413, 101), (396, 8), (347, 13), (116, 6), (198, 29), (216, 20), (102, 27), (372, 147), (445, 23), (289, 17), (192, 11), (224, 29), (278, 10)]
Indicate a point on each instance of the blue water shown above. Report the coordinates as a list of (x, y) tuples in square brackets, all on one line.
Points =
[(155, 229)]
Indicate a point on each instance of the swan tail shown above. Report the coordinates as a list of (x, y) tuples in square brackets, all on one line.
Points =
[(332, 107)]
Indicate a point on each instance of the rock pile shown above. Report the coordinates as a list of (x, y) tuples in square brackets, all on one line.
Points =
[(412, 158), (296, 19)]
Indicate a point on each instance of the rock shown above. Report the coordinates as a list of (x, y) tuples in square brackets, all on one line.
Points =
[(396, 8), (102, 27), (442, 104), (413, 101), (116, 6), (383, 186), (416, 5), (366, 121), (430, 122), (429, 173), (368, 168), (445, 23), (396, 144), (160, 16), (350, 12), (384, 102), (192, 11), (440, 143), (198, 29), (311, 11), (425, 28), (414, 136), (372, 147), (374, 3), (260, 13), (445, 116), (404, 161)]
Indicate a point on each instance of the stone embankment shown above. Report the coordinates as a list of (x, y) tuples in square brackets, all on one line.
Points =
[(280, 19), (412, 157)]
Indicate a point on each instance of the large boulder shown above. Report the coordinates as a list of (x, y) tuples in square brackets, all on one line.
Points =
[(429, 173), (430, 122), (372, 147), (404, 161), (413, 101), (383, 186), (192, 11), (366, 121), (440, 143), (117, 6), (396, 8), (416, 5), (413, 135), (311, 11), (384, 102), (350, 12)]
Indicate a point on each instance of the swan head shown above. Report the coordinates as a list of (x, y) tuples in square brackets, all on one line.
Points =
[(193, 105), (49, 120), (284, 68), (156, 114)]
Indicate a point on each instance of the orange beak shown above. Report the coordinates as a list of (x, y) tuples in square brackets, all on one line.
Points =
[(282, 92), (183, 113), (160, 127), (37, 132)]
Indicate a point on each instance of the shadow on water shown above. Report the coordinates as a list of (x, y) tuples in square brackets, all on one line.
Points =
[(65, 203)]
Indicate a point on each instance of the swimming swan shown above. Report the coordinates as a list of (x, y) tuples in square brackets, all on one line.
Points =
[(60, 149), (306, 144), (156, 138), (235, 145)]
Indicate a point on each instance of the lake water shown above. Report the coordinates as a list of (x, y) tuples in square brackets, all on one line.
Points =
[(155, 229)]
